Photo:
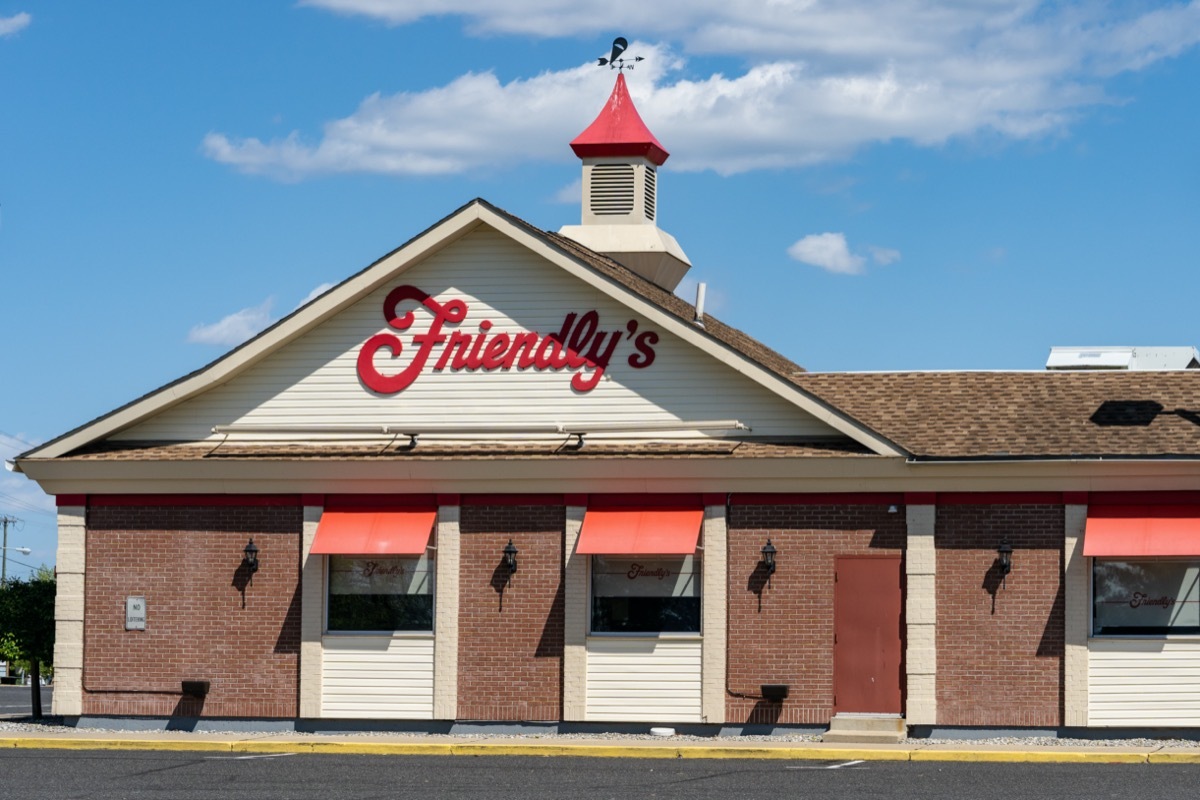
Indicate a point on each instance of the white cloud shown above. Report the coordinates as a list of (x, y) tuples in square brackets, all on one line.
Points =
[(314, 294), (473, 122), (998, 35), (17, 22), (235, 328), (242, 325), (823, 80), (831, 252), (571, 193), (883, 255), (828, 251)]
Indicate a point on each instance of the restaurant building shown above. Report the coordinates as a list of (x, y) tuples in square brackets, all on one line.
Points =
[(507, 475)]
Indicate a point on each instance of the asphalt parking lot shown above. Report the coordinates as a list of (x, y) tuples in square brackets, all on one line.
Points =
[(16, 701)]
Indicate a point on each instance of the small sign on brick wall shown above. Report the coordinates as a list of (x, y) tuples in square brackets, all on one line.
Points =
[(135, 613)]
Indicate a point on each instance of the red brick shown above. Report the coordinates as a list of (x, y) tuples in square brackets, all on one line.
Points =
[(200, 625), (511, 631), (999, 646)]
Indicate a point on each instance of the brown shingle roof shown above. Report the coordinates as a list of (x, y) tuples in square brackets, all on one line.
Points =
[(964, 415)]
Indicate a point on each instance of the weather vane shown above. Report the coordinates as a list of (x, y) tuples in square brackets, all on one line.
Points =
[(614, 61)]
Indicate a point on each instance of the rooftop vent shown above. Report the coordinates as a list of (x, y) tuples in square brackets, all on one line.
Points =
[(1131, 358)]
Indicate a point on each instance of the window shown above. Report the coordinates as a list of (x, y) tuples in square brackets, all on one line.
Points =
[(380, 593), (1145, 597), (638, 594)]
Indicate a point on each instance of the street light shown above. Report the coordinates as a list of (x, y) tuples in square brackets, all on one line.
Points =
[(4, 559)]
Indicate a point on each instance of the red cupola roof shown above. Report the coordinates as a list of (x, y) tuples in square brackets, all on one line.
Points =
[(619, 131)]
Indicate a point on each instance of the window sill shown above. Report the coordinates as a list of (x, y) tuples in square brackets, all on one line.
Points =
[(379, 634), (1145, 637), (685, 636)]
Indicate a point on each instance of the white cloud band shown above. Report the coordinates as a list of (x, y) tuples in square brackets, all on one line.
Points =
[(824, 80)]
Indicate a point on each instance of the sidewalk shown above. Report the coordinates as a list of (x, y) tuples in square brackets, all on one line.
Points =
[(598, 747)]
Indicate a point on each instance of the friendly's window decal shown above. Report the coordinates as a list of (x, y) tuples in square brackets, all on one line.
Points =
[(380, 593)]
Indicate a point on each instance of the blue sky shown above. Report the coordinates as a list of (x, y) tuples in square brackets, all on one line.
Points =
[(863, 185)]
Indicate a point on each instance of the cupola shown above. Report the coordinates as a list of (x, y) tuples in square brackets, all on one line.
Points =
[(620, 193)]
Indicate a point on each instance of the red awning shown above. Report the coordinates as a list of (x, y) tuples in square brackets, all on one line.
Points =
[(374, 531), (1127, 531), (666, 531)]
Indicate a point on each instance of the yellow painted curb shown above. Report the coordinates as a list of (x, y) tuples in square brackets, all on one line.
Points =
[(1031, 756), (116, 744)]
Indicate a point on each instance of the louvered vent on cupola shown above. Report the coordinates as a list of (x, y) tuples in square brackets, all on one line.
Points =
[(612, 189), (651, 184), (619, 193)]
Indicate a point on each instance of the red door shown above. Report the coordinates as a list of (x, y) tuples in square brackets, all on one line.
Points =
[(867, 644)]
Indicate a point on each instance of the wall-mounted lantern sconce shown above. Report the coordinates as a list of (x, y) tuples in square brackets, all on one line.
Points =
[(250, 557), (768, 556), (1004, 558), (510, 557)]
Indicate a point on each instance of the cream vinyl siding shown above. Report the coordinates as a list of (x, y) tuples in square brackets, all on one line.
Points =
[(643, 679), (1144, 682), (313, 380), (377, 677)]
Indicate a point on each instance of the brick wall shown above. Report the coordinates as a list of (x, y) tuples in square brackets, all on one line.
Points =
[(782, 631), (203, 622), (510, 643), (999, 648)]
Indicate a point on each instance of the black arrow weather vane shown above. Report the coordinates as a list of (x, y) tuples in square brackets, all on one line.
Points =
[(614, 61)]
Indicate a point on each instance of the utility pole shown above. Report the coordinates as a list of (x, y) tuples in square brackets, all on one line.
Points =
[(5, 521)]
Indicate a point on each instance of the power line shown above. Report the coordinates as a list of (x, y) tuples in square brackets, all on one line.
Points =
[(23, 564), (24, 505), (17, 439)]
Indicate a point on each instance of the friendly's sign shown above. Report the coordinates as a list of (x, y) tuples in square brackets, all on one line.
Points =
[(580, 346)]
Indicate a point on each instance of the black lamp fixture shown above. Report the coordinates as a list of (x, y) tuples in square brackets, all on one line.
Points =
[(768, 556), (1004, 557), (510, 557), (250, 556)]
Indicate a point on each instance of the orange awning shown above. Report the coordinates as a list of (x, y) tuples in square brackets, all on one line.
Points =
[(1128, 531), (374, 531), (665, 531)]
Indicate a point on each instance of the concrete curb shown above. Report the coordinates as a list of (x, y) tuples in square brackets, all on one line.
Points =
[(797, 752)]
